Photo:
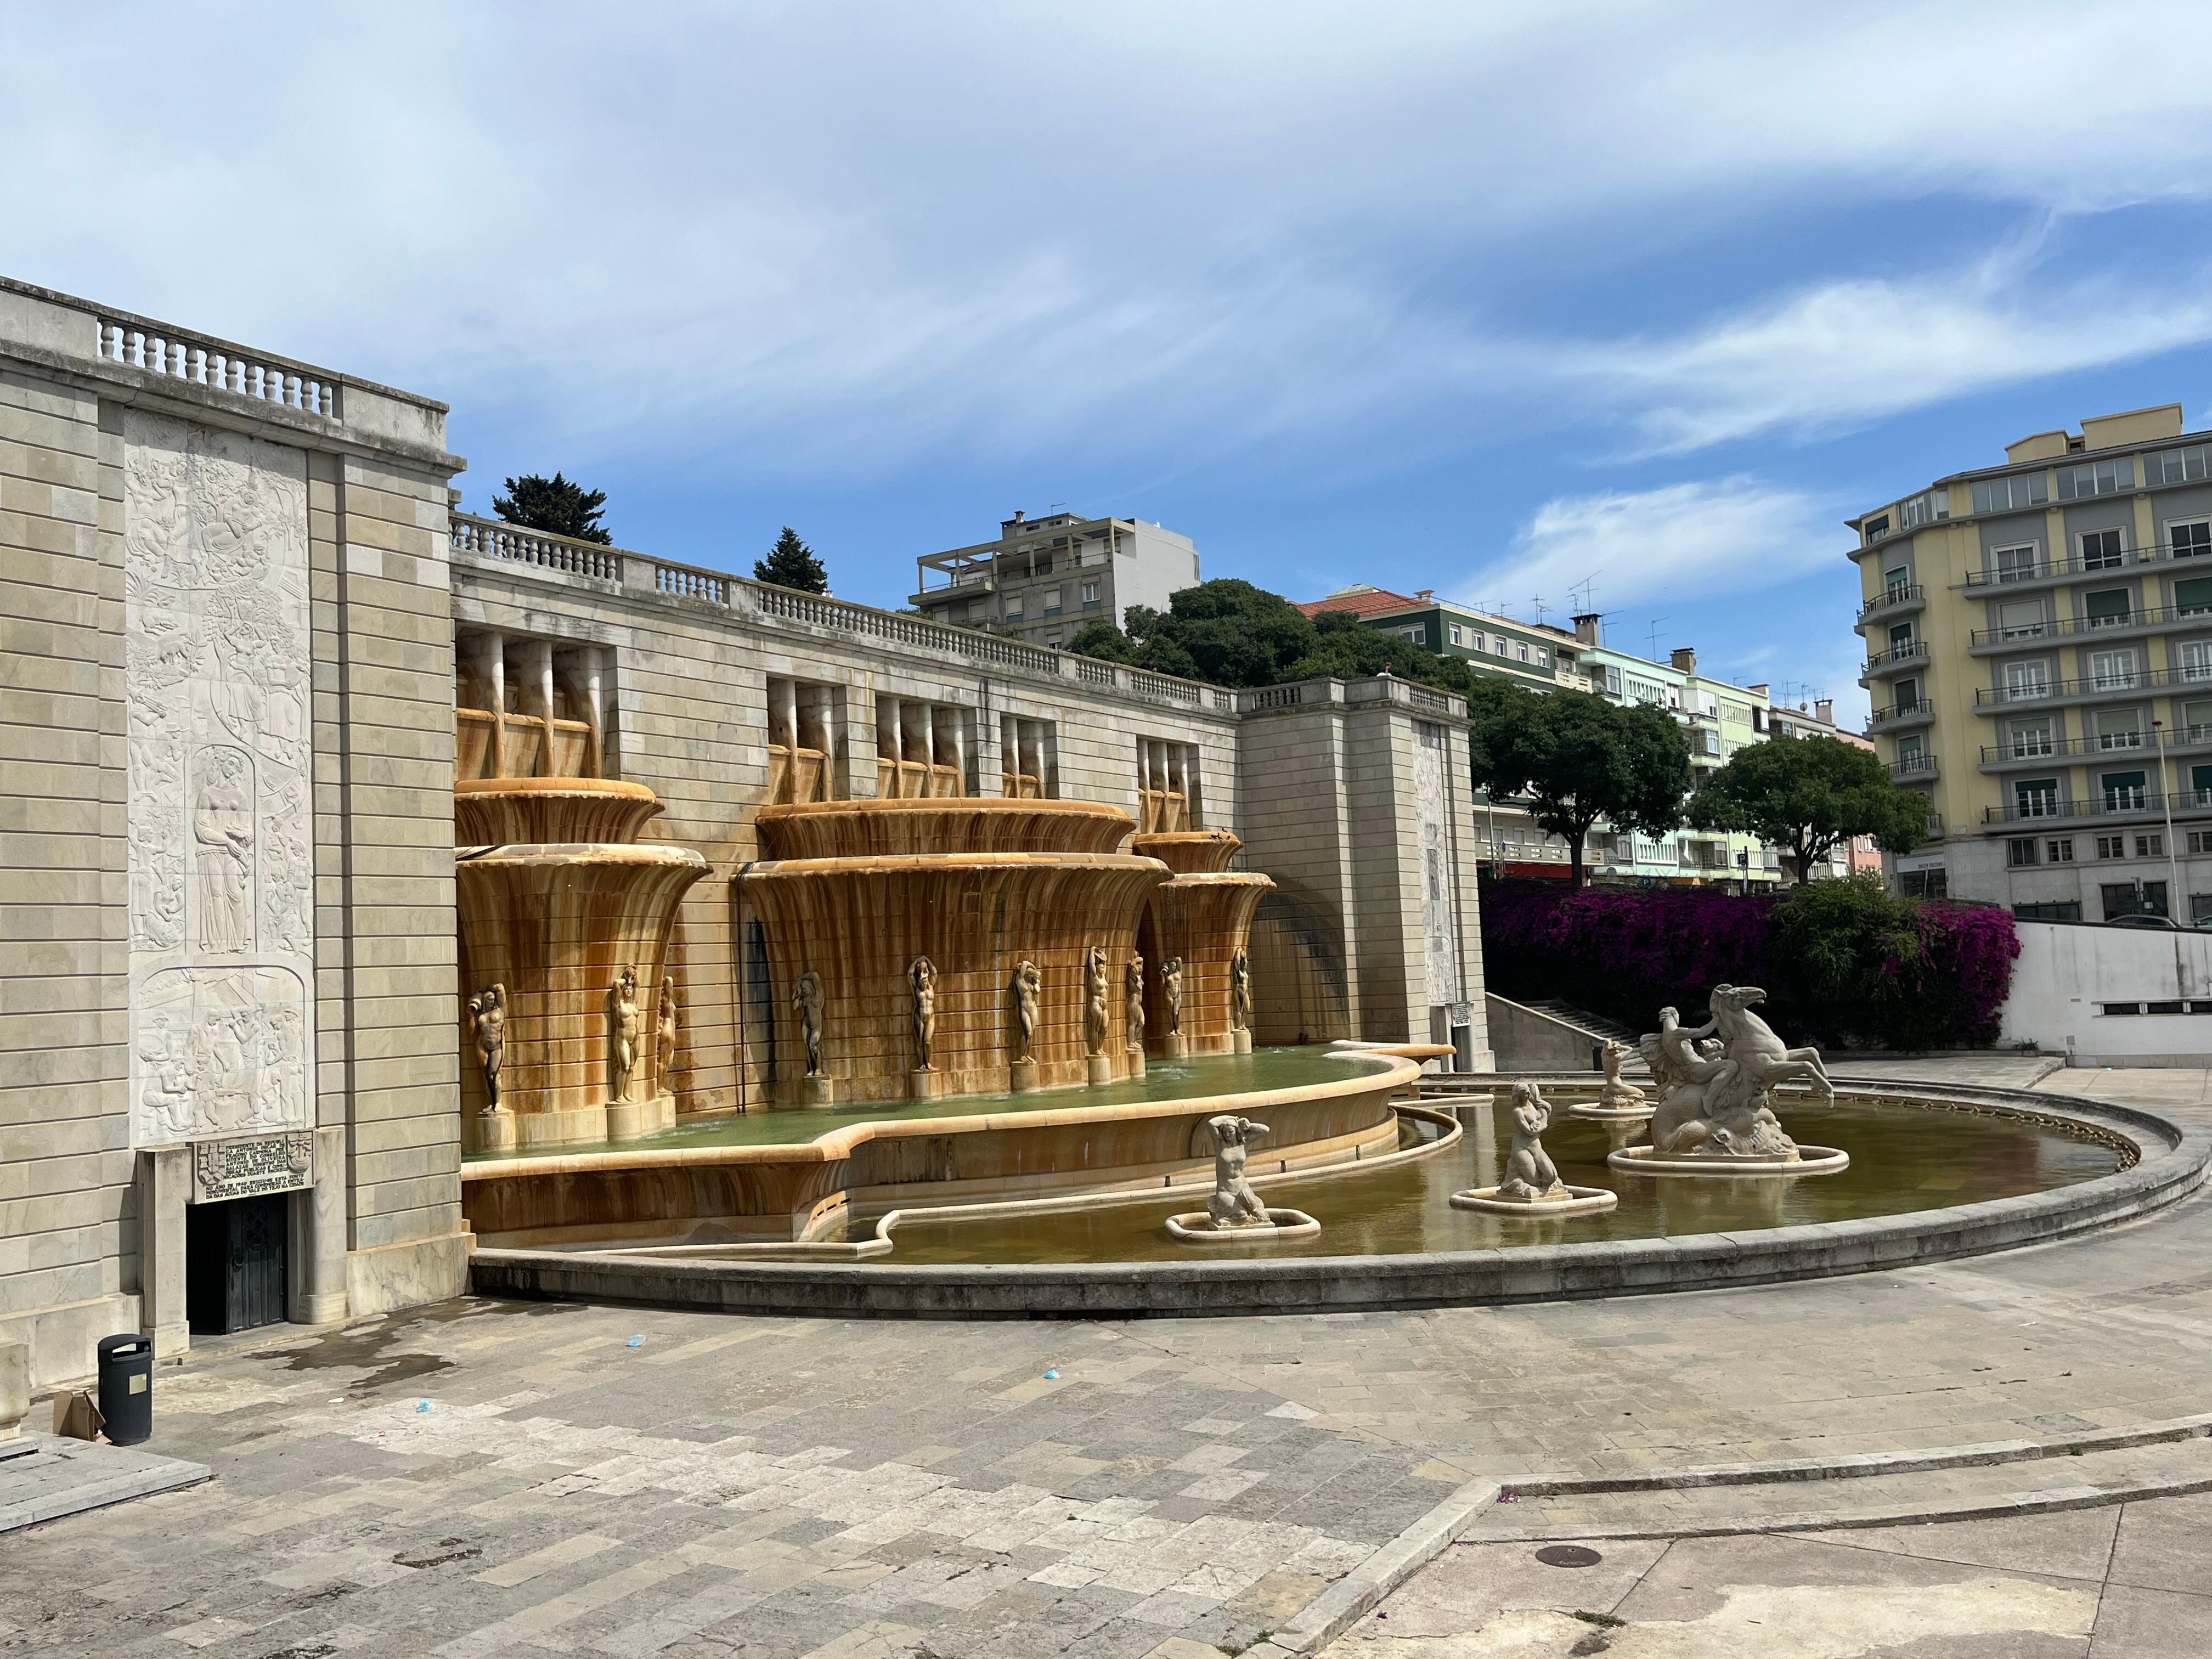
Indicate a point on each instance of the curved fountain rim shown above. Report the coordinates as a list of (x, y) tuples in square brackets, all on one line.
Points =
[(931, 863), (598, 788), (2163, 1174), (840, 1140), (570, 852)]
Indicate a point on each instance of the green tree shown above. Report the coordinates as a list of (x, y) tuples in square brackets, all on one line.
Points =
[(1575, 758), (1807, 794), (790, 564), (554, 505)]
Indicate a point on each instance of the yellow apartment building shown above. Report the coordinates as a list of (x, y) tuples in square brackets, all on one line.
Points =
[(2039, 657)]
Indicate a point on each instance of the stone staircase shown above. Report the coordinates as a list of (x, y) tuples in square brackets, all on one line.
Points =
[(1596, 1025)]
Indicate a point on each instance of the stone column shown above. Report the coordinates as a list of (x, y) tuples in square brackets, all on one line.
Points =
[(165, 1186), (316, 1244)]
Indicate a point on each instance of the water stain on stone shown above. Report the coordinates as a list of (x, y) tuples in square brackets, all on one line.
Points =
[(371, 1347)]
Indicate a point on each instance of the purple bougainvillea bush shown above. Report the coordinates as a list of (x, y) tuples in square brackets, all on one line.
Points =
[(1842, 963)]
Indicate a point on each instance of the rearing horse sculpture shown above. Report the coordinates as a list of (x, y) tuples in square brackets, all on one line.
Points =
[(1753, 1045)]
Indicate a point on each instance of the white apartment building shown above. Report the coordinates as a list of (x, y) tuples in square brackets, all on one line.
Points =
[(1043, 579)]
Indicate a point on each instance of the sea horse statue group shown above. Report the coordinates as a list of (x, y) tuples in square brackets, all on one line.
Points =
[(1714, 1083)]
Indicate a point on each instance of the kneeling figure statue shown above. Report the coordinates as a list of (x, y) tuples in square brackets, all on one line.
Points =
[(1234, 1204), (1530, 1175)]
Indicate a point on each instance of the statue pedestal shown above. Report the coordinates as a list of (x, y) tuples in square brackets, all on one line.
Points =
[(1196, 1227), (1098, 1069), (628, 1120), (494, 1132), (817, 1091), (1136, 1062), (1561, 1200), (1022, 1076), (928, 1084), (1240, 1041), (1172, 1046)]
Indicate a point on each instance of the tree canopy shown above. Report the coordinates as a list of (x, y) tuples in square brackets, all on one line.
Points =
[(1807, 794), (1573, 758), (1230, 632), (554, 505), (790, 564)]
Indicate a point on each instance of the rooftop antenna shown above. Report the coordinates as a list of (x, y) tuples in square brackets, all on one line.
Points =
[(1653, 633), (1583, 587), (1538, 601)]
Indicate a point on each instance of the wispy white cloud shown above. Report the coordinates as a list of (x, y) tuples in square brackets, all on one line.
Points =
[(1727, 535), (1843, 354)]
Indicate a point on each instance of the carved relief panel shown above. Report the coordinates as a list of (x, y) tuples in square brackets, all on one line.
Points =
[(220, 813), (1432, 814)]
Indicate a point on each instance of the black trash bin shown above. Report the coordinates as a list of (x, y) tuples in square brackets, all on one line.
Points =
[(126, 1387)]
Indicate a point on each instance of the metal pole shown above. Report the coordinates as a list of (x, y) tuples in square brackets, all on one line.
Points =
[(2165, 800)]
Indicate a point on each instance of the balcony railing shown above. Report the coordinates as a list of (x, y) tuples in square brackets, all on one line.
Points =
[(1913, 766), (2106, 804), (2137, 679), (2079, 564), (1903, 593), (1913, 651), (2029, 751), (1896, 712), (2068, 627)]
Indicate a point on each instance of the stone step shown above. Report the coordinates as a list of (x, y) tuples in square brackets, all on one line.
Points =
[(2020, 1478)]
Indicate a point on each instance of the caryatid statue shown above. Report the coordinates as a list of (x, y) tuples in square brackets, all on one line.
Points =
[(1094, 998), (1133, 998), (622, 1030), (488, 1024), (808, 1001), (1171, 989), (1240, 991), (665, 1032), (1617, 1095), (922, 977), (1029, 998), (1234, 1204)]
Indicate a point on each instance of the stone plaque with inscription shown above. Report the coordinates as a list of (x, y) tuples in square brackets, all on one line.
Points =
[(249, 1166)]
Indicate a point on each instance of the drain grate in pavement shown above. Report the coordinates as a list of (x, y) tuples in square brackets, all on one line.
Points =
[(1568, 1555)]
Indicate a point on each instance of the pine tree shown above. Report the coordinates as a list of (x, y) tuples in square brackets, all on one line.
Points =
[(790, 564), (554, 505)]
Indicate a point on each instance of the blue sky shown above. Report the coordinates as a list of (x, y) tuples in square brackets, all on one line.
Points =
[(1492, 300)]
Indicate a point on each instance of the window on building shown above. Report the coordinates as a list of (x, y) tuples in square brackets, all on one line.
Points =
[(2102, 550), (2173, 466), (1456, 636), (2199, 792), (2200, 841), (2108, 607), (1759, 716), (2190, 538), (2021, 852), (1089, 595), (1500, 645), (2193, 596), (2014, 564), (1543, 656), (2025, 682), (1929, 507), (2030, 739), (2050, 910), (1013, 607), (2008, 494), (2133, 899), (2119, 728), (1876, 528), (2123, 791), (1524, 650), (1612, 681), (2096, 478), (2111, 846), (2058, 851), (1029, 758), (1908, 696), (2035, 798), (1924, 884), (2020, 619), (1900, 638), (1414, 634), (2152, 846), (2200, 909), (1052, 601), (2196, 660), (1895, 580), (2113, 671)]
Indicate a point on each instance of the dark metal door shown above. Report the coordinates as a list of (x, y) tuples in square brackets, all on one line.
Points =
[(235, 1265)]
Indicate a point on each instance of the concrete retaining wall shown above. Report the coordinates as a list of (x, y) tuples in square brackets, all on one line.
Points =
[(1526, 1041), (2068, 972)]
